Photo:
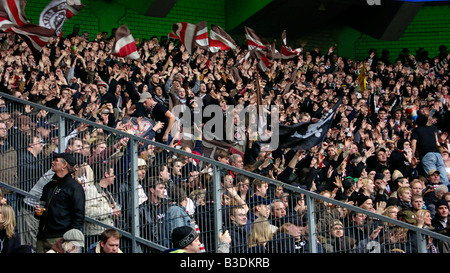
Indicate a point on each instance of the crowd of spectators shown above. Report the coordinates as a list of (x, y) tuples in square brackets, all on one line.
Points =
[(378, 147)]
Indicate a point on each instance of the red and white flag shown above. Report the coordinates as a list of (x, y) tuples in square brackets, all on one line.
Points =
[(254, 41), (53, 16), (73, 7), (172, 35), (260, 49), (263, 59), (191, 35), (124, 44), (287, 52), (220, 40), (201, 35), (13, 20), (57, 12)]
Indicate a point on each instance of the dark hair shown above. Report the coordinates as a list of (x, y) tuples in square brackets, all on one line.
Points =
[(108, 233), (177, 194), (100, 169), (150, 182)]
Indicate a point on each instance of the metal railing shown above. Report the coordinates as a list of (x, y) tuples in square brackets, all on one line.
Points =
[(144, 204)]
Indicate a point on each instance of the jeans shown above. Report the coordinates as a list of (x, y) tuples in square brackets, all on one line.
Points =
[(435, 161)]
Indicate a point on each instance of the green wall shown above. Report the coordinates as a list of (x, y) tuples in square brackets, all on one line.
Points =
[(429, 29), (101, 16), (237, 11)]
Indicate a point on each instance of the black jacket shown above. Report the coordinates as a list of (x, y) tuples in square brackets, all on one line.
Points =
[(9, 245), (65, 201)]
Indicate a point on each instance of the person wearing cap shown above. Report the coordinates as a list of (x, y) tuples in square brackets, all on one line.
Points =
[(434, 178), (424, 142), (159, 113), (106, 96), (176, 215), (64, 202), (440, 220), (186, 240), (71, 242), (336, 240), (30, 224)]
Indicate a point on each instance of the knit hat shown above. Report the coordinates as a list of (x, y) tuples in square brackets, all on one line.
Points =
[(336, 223), (183, 236), (102, 83), (75, 236), (441, 202), (361, 199), (379, 176)]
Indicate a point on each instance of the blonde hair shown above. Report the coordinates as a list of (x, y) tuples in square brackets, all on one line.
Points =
[(402, 190), (260, 233), (421, 213), (365, 182), (8, 220)]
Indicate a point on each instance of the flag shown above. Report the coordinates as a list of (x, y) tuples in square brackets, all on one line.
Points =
[(201, 35), (305, 135), (260, 49), (191, 35), (263, 60), (254, 41), (53, 15), (124, 45), (13, 20), (287, 52), (362, 78), (220, 40), (73, 7), (172, 35)]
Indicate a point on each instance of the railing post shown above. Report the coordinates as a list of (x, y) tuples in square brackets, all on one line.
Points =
[(217, 188), (421, 242), (61, 134), (312, 238), (134, 192)]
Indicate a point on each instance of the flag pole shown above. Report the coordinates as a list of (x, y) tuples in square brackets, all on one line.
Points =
[(258, 99)]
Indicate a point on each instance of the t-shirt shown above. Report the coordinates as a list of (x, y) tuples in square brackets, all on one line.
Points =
[(159, 115), (426, 140)]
